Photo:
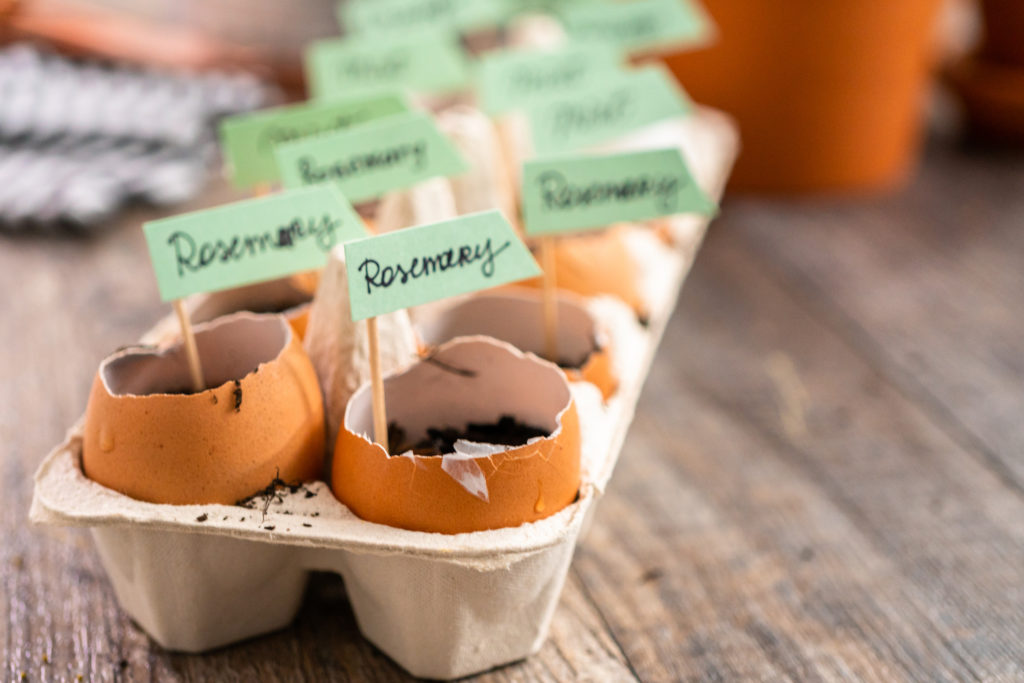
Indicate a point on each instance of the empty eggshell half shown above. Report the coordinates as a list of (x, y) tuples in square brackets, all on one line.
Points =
[(516, 315), (262, 417), (480, 486), (289, 296)]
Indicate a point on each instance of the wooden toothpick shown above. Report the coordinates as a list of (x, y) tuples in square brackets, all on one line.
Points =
[(550, 298), (380, 418), (195, 369)]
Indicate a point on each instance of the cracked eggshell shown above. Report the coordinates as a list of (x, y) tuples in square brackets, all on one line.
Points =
[(516, 315), (261, 418), (289, 296), (483, 486), (597, 263)]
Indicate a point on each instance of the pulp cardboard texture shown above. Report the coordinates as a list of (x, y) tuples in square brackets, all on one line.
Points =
[(442, 606)]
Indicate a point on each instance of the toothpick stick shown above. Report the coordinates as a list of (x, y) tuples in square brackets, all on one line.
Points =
[(550, 298), (380, 418), (195, 369)]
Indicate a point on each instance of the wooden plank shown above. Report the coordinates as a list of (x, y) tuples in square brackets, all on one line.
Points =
[(918, 547), (930, 285)]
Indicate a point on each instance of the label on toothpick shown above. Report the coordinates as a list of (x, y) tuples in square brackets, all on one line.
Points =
[(619, 103), (431, 62), (514, 79), (417, 265), (390, 16), (369, 160), (585, 192), (249, 241), (249, 139), (639, 25)]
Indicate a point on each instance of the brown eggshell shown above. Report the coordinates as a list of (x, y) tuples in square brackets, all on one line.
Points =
[(298, 318), (595, 263), (523, 484), (262, 417), (515, 315)]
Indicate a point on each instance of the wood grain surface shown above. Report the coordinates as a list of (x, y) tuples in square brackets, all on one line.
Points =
[(825, 479)]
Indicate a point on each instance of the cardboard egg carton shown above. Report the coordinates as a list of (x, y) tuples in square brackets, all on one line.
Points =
[(197, 577)]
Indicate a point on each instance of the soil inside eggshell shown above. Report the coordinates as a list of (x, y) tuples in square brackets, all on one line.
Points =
[(567, 364), (506, 431)]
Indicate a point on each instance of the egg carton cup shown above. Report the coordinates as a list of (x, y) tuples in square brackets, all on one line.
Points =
[(197, 577)]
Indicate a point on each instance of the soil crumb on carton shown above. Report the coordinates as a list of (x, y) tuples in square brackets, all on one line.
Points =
[(507, 431), (273, 493)]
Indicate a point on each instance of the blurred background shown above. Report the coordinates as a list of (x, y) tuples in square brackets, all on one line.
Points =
[(108, 102)]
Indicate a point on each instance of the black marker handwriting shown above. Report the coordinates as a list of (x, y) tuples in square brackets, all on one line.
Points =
[(414, 153), (192, 254), (377, 276), (559, 193), (574, 117)]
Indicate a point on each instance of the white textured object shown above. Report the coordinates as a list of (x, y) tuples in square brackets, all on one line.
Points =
[(487, 184), (427, 202), (339, 347), (196, 577)]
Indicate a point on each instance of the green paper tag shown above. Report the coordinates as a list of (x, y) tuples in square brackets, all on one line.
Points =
[(618, 103), (389, 16), (514, 79), (430, 262), (249, 139), (249, 241), (639, 25), (584, 192), (431, 62), (370, 160)]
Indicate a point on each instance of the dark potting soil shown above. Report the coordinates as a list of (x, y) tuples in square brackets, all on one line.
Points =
[(507, 431)]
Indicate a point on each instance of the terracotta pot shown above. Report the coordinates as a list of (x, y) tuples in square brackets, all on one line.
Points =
[(1004, 31), (471, 379), (261, 418), (828, 95)]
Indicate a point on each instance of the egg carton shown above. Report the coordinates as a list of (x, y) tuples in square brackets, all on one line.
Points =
[(197, 577)]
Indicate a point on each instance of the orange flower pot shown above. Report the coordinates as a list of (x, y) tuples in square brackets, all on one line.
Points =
[(828, 95)]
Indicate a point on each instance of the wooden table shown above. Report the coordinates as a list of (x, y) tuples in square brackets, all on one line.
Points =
[(825, 479)]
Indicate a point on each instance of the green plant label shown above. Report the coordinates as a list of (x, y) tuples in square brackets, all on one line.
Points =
[(514, 79), (430, 62), (585, 192), (639, 25), (372, 159), (430, 262), (249, 139), (618, 103), (249, 241), (389, 16)]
